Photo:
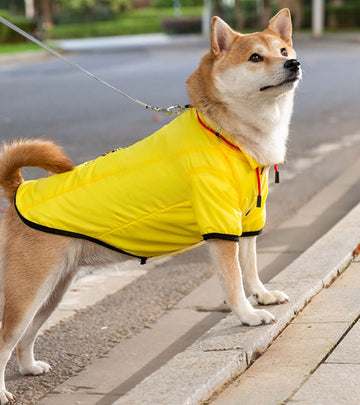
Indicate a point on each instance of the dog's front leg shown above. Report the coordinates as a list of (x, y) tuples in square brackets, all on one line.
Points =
[(226, 257), (247, 255)]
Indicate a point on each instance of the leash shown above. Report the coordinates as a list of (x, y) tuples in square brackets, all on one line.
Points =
[(172, 110)]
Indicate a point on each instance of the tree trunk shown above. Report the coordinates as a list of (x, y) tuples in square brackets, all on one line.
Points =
[(217, 8), (239, 21), (296, 8), (266, 16), (47, 17)]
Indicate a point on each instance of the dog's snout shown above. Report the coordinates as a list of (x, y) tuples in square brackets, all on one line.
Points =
[(292, 65)]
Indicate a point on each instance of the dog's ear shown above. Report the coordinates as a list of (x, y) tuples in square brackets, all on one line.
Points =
[(282, 26), (222, 37)]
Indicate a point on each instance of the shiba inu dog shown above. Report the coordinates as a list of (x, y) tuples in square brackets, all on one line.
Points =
[(201, 178)]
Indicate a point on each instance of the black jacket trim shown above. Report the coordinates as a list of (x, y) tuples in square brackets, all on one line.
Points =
[(55, 231), (224, 236), (253, 233), (234, 238)]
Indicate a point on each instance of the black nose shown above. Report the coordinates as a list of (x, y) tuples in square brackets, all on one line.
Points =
[(292, 65)]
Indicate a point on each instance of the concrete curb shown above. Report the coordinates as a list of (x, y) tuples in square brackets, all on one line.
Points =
[(128, 42), (23, 57), (350, 37), (228, 349), (106, 44)]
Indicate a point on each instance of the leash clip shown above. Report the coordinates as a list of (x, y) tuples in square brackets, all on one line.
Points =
[(172, 110)]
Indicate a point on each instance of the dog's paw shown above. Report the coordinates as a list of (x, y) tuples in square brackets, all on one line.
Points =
[(39, 367), (257, 317), (6, 397), (271, 298)]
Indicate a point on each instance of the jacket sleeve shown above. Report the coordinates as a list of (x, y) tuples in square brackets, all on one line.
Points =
[(253, 221), (216, 205)]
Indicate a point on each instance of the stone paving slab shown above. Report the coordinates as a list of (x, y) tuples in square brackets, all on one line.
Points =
[(284, 366), (340, 305), (228, 348), (296, 354), (331, 384), (348, 352), (336, 381)]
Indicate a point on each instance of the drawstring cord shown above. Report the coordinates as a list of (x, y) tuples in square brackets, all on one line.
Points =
[(258, 177), (277, 174), (258, 199)]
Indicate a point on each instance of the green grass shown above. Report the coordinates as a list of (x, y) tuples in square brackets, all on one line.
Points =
[(140, 21), (20, 47)]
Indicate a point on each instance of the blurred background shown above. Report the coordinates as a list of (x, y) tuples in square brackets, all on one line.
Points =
[(59, 19)]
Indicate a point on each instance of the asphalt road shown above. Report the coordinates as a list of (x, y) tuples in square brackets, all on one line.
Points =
[(51, 99)]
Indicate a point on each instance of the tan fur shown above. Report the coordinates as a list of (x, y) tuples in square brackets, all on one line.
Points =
[(28, 152), (37, 268), (236, 118)]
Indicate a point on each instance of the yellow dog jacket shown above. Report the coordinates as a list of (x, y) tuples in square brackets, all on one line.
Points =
[(178, 187)]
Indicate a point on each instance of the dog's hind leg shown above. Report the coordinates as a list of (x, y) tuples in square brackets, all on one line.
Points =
[(31, 263), (247, 256), (25, 348), (22, 300)]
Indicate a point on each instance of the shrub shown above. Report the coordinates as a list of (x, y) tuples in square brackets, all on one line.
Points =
[(344, 16), (7, 35), (184, 3), (185, 25), (84, 16)]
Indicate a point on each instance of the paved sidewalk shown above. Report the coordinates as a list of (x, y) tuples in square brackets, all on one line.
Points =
[(105, 44), (315, 360), (129, 42), (228, 349), (13, 59)]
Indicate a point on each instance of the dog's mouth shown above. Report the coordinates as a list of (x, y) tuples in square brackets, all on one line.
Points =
[(285, 82)]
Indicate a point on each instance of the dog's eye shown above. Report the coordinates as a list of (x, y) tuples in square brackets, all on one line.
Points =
[(255, 57), (283, 52)]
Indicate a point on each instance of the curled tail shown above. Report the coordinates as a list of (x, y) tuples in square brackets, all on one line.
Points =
[(29, 152)]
